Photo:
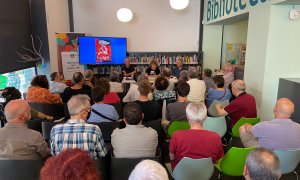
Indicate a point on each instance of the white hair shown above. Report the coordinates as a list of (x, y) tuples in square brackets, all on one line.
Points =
[(149, 170), (77, 103), (196, 112)]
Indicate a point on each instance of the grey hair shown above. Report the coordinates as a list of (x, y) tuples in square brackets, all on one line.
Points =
[(239, 85), (148, 170), (184, 75), (196, 112), (77, 103), (193, 72), (114, 76), (263, 164), (142, 77)]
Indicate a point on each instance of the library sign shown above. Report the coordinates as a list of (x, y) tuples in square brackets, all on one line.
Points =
[(218, 9)]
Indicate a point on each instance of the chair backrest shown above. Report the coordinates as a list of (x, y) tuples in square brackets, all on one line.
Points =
[(233, 162), (20, 169), (212, 108), (289, 160), (46, 129), (216, 124), (200, 169), (103, 165), (55, 110), (35, 124), (177, 125), (106, 129), (119, 109), (242, 121)]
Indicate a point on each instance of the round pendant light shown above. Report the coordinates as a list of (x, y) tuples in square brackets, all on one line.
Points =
[(124, 15), (179, 4)]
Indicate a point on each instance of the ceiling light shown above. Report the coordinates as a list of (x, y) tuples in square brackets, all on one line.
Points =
[(124, 15), (179, 4)]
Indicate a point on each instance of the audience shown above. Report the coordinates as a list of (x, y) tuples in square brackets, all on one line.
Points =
[(161, 85), (184, 75), (197, 87), (228, 74), (109, 97), (153, 69), (196, 142), (128, 70), (243, 106), (206, 76), (102, 112), (134, 140), (39, 93), (76, 89), (279, 133), (70, 164), (76, 133), (219, 92), (167, 74), (262, 164), (176, 71), (149, 170), (115, 86), (150, 109), (56, 84), (88, 80), (16, 140), (133, 94)]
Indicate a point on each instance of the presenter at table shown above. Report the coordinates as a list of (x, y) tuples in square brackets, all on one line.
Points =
[(153, 69), (127, 70)]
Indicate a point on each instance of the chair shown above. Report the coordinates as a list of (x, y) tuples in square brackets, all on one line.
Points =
[(106, 129), (177, 125), (242, 121), (289, 159), (212, 108), (216, 124), (20, 169), (55, 110), (46, 129), (119, 109), (200, 169), (233, 162), (103, 165)]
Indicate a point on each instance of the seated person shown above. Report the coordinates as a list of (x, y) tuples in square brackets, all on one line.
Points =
[(197, 87), (196, 142), (133, 94), (76, 133), (39, 92), (88, 80), (135, 140), (262, 163), (56, 84), (176, 71), (184, 75), (115, 86), (16, 140), (219, 92), (127, 70), (228, 74), (153, 69), (161, 85), (70, 164), (280, 133), (102, 112), (76, 89), (150, 109), (206, 76), (149, 170), (167, 74), (243, 106), (109, 97)]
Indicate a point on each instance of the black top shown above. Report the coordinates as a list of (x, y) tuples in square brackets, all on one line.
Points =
[(69, 92), (157, 71), (151, 110), (129, 69)]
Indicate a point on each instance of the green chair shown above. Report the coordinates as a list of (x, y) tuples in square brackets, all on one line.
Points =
[(177, 125), (241, 122), (216, 124), (233, 162)]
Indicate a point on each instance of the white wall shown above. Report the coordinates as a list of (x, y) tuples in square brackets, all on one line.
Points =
[(155, 25), (57, 21)]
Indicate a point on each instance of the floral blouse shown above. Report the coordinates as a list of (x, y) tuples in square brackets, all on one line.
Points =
[(42, 95)]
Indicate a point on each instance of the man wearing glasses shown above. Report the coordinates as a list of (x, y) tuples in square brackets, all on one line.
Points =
[(76, 133)]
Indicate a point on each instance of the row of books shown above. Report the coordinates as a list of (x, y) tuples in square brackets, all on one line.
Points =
[(164, 59)]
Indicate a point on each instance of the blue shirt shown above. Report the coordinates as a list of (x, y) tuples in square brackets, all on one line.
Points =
[(176, 71), (214, 94), (106, 110)]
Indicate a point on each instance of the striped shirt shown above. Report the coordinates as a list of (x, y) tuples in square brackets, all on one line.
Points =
[(78, 134)]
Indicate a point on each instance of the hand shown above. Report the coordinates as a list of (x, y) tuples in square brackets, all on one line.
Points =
[(89, 84), (49, 118)]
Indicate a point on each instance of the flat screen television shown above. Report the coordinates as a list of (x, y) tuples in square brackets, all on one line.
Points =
[(102, 50)]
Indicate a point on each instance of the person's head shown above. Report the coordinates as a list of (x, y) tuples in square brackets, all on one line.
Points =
[(182, 88), (79, 107), (144, 88), (40, 81), (167, 73), (179, 63), (149, 170), (10, 93), (262, 164), (193, 73), (227, 68), (127, 62), (114, 76), (78, 78), (153, 64), (184, 75), (104, 84), (238, 87), (219, 81), (142, 77), (284, 108), (70, 164), (196, 113), (97, 94), (17, 111), (206, 73), (161, 83), (55, 76), (133, 114), (136, 75), (88, 74)]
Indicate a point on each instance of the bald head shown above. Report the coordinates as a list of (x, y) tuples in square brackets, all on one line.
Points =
[(239, 85), (284, 108), (17, 111)]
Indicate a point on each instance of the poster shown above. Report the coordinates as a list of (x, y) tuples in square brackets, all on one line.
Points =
[(103, 51), (70, 64)]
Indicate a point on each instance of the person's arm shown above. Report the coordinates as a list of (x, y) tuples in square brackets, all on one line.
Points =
[(41, 146), (220, 110), (172, 148), (100, 146)]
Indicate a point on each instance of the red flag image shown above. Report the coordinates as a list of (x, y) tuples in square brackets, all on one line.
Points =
[(103, 51)]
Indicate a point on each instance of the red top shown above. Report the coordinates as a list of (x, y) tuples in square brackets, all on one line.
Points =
[(243, 106), (195, 144), (111, 98)]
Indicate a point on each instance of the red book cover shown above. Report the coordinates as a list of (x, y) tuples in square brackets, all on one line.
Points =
[(103, 51)]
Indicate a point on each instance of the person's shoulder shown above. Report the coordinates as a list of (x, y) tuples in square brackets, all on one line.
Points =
[(211, 134), (149, 131), (33, 133)]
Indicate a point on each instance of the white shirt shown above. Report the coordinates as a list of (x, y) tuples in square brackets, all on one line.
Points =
[(197, 90), (133, 94), (116, 87), (57, 87)]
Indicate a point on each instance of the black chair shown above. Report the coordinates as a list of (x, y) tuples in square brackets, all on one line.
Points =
[(55, 110), (103, 165), (46, 129), (20, 169), (119, 109), (106, 129), (121, 95), (35, 124)]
